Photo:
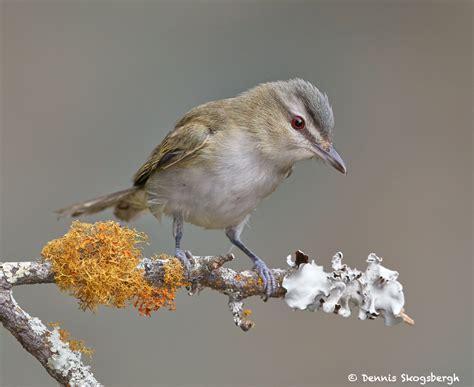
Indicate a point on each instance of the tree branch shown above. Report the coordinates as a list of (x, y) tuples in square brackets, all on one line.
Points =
[(304, 285), (63, 364)]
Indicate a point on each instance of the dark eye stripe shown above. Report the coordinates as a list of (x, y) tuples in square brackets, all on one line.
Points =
[(307, 105), (309, 136), (286, 111)]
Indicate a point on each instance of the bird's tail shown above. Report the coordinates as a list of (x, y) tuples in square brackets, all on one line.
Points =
[(128, 204)]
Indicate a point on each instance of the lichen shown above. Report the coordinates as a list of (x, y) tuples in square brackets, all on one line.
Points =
[(152, 298), (74, 344), (375, 292), (68, 363), (15, 271), (98, 264), (305, 285), (36, 325)]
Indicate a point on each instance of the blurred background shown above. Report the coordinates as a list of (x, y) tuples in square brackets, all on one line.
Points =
[(89, 88)]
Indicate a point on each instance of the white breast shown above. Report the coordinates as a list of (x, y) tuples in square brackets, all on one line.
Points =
[(216, 192)]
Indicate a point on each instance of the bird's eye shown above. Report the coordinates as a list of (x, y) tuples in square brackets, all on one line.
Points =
[(297, 123)]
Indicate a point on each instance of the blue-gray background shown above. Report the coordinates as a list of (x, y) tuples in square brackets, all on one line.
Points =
[(89, 88)]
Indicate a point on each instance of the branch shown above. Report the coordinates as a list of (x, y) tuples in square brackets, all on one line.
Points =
[(294, 284), (205, 272), (303, 285), (63, 364)]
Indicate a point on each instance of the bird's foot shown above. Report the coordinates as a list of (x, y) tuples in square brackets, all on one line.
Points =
[(269, 281), (184, 256)]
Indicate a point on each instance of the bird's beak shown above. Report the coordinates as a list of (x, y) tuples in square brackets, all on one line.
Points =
[(333, 158)]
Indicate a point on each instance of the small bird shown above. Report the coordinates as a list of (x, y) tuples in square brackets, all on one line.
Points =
[(223, 157)]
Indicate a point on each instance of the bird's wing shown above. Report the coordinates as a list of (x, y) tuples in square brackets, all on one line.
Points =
[(179, 144)]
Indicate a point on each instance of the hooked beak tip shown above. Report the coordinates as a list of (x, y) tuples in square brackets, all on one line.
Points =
[(335, 160), (341, 168)]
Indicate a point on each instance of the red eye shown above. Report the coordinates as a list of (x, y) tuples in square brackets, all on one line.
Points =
[(297, 123)]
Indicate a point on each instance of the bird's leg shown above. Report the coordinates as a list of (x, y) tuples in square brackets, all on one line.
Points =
[(178, 235), (269, 282)]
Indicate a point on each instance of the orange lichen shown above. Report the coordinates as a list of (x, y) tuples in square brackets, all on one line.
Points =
[(97, 264), (247, 312), (150, 299), (74, 345)]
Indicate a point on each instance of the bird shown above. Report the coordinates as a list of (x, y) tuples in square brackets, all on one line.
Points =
[(222, 158)]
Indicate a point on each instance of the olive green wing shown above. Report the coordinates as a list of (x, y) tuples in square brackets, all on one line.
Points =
[(178, 145)]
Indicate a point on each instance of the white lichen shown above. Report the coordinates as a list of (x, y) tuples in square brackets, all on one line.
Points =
[(306, 285), (374, 292), (36, 325), (68, 362), (236, 308), (227, 275), (13, 271)]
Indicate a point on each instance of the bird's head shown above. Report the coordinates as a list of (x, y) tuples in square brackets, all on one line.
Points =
[(290, 121)]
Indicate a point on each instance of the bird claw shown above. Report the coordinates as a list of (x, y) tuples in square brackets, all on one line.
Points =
[(184, 257), (269, 281)]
